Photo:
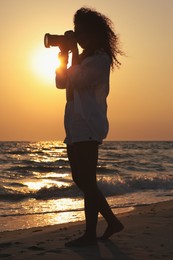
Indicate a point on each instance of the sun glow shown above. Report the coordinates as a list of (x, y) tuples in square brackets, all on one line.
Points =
[(44, 62), (37, 185)]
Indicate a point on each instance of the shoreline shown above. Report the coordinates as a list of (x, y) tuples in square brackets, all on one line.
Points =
[(147, 235), (19, 222)]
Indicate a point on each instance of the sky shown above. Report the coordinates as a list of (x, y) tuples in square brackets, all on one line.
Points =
[(140, 103)]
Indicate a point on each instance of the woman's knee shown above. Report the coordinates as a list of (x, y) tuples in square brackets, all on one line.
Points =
[(81, 183), (76, 181)]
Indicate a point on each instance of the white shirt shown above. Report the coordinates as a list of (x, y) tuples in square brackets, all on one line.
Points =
[(87, 87)]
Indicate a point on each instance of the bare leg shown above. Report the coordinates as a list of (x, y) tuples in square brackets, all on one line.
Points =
[(83, 160), (114, 225), (83, 165)]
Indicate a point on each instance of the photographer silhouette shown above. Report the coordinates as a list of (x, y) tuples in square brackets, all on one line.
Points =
[(86, 124)]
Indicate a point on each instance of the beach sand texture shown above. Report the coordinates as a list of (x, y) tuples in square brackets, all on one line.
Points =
[(148, 234)]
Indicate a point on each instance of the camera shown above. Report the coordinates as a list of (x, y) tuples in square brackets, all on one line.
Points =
[(61, 41)]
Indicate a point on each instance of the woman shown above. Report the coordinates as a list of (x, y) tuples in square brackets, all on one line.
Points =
[(87, 87)]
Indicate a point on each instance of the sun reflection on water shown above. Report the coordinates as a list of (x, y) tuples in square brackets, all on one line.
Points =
[(47, 152), (37, 185), (50, 212), (43, 178)]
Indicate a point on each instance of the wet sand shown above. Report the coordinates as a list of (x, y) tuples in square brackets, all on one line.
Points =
[(148, 234)]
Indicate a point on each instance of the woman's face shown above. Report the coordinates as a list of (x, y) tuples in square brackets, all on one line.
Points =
[(82, 36)]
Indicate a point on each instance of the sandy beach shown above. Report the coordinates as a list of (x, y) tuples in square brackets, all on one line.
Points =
[(148, 234)]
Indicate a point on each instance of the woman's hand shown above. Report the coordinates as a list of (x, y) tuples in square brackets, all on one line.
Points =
[(72, 45), (71, 40)]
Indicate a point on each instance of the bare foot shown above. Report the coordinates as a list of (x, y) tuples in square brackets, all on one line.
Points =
[(112, 229), (81, 242)]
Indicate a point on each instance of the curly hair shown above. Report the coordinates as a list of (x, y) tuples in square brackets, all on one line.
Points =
[(101, 29)]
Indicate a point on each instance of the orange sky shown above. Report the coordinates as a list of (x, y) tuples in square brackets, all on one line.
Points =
[(140, 104)]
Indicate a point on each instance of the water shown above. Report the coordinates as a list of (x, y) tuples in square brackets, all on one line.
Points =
[(36, 188)]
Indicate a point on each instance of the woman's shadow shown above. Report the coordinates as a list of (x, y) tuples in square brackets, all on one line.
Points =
[(104, 250)]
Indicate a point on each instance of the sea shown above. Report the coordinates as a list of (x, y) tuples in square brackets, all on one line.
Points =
[(36, 188)]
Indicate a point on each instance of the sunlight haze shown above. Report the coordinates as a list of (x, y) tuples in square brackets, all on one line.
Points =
[(140, 104)]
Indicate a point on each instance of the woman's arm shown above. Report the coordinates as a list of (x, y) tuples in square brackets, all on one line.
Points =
[(92, 71), (61, 72)]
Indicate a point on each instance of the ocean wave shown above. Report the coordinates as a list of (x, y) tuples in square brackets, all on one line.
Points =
[(41, 194), (109, 186), (39, 166), (41, 213), (119, 186), (27, 157)]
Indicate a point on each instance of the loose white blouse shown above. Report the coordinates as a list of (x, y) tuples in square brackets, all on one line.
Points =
[(87, 87)]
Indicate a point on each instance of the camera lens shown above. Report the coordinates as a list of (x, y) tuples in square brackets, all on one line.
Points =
[(46, 40)]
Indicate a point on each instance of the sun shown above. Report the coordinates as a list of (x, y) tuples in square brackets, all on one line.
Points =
[(44, 62)]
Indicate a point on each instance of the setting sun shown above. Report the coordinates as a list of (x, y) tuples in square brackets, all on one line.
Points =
[(44, 62)]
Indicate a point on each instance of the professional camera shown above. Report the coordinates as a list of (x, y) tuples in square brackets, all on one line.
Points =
[(61, 41)]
